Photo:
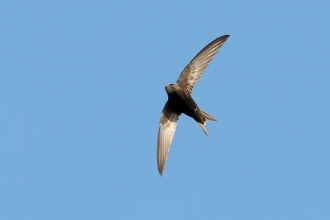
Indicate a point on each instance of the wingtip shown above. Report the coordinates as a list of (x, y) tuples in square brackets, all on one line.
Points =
[(160, 171), (224, 37)]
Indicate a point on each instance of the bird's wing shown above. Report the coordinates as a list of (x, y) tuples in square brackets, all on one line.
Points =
[(166, 131), (194, 70)]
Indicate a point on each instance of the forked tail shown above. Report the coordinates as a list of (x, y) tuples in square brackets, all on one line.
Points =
[(207, 118)]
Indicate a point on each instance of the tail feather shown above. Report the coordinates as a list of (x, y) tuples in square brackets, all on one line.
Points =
[(208, 118), (203, 128)]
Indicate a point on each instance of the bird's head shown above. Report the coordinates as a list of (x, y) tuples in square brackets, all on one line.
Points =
[(169, 88)]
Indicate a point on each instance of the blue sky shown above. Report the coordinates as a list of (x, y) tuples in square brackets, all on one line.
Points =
[(82, 89)]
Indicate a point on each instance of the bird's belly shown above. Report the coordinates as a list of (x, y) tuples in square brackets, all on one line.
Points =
[(183, 105), (176, 104)]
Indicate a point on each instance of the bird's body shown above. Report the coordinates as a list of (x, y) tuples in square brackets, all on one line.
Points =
[(180, 100)]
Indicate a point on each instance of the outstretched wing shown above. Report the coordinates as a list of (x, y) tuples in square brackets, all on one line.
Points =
[(194, 70), (166, 131)]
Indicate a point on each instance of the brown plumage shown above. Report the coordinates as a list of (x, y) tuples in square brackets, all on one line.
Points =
[(180, 100)]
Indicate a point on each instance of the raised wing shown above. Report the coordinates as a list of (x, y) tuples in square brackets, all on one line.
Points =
[(194, 70), (166, 131)]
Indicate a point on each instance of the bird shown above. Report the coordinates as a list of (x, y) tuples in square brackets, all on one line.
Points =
[(180, 100)]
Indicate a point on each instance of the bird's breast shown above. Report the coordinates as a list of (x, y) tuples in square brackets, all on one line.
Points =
[(182, 103)]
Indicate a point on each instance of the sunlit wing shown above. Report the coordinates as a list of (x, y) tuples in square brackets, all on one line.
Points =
[(167, 125), (194, 70)]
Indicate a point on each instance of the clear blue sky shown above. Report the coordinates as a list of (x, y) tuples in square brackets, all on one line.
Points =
[(82, 89)]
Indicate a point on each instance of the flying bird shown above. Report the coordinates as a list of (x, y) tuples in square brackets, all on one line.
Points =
[(180, 100)]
